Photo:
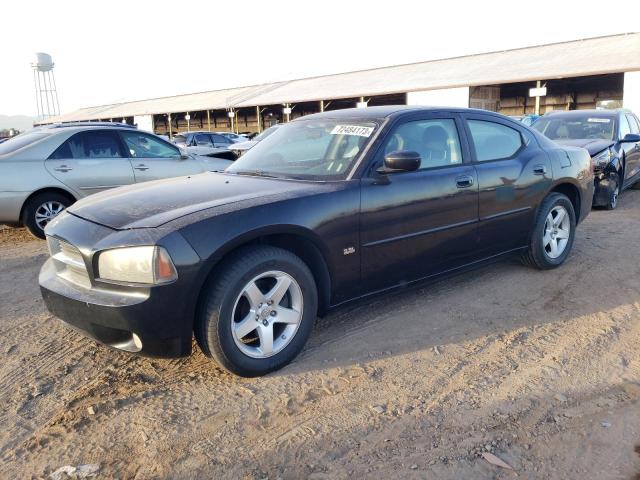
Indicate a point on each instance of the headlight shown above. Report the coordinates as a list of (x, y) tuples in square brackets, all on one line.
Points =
[(603, 158), (146, 265)]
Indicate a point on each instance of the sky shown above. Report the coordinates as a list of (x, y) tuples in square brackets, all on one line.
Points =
[(106, 52)]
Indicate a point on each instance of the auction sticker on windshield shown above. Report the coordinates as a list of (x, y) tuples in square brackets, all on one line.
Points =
[(599, 120), (352, 130)]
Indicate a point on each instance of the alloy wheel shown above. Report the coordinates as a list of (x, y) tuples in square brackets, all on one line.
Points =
[(557, 230), (266, 314), (46, 212)]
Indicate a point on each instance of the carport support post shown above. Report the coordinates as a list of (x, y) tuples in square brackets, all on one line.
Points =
[(208, 120), (537, 99), (169, 118), (258, 117), (322, 105)]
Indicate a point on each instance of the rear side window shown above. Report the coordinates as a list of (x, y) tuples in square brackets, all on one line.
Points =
[(633, 123), (90, 144), (494, 141), (142, 145), (203, 140), (180, 139), (220, 139)]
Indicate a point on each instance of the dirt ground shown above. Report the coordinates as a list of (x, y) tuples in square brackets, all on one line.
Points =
[(540, 368)]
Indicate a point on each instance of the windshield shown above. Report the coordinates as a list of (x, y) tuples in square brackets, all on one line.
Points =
[(20, 141), (321, 149), (576, 127), (267, 132)]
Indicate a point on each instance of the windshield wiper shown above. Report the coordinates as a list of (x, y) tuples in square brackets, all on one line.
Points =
[(254, 173)]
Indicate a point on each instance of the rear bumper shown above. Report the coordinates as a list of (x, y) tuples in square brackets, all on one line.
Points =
[(141, 323), (11, 206)]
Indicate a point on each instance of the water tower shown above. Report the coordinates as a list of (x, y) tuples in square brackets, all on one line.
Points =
[(45, 85)]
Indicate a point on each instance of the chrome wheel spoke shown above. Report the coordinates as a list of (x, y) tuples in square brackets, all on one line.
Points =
[(559, 217), (279, 290), (265, 333), (562, 234), (254, 295), (246, 326), (286, 315)]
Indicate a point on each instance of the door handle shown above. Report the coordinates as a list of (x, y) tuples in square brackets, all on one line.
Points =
[(539, 170), (464, 181), (62, 168), (141, 167)]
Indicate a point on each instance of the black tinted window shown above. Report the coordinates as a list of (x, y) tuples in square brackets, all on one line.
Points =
[(494, 141), (220, 138), (203, 140), (91, 144)]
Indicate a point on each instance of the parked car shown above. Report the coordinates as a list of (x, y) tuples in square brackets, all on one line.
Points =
[(612, 138), (45, 170), (241, 147), (234, 137), (526, 119), (247, 258), (203, 143)]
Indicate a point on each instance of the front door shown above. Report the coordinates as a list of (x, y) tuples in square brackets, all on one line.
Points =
[(631, 150), (153, 159), (414, 224), (91, 161), (514, 174)]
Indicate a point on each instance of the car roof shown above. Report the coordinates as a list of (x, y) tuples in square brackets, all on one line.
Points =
[(391, 110), (591, 111)]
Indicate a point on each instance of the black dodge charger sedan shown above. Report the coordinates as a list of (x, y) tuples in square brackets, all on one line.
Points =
[(612, 138), (331, 208)]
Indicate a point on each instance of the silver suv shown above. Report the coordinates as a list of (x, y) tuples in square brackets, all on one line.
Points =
[(45, 170)]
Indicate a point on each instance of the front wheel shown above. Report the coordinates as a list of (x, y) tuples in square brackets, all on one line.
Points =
[(612, 202), (258, 311), (553, 233), (41, 209)]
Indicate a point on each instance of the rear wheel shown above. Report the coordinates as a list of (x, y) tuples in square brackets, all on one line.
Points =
[(553, 233), (41, 209), (258, 312)]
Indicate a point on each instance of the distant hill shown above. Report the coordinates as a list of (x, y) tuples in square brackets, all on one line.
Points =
[(21, 122)]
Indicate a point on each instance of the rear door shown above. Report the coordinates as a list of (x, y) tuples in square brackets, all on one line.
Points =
[(631, 150), (91, 161), (514, 174), (152, 158), (414, 224)]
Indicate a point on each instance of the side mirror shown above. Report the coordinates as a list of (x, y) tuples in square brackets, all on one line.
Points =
[(631, 138), (400, 161)]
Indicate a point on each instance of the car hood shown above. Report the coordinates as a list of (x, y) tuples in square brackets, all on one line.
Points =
[(592, 145), (151, 204)]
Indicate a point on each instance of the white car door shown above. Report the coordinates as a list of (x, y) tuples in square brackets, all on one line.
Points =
[(91, 161), (152, 158)]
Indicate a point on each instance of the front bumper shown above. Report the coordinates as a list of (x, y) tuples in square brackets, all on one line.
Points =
[(140, 323), (154, 321), (605, 183)]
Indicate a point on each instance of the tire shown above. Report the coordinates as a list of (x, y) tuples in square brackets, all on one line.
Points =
[(234, 320), (40, 210), (612, 201), (540, 254)]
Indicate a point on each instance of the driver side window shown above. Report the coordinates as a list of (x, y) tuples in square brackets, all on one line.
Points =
[(142, 145), (436, 140)]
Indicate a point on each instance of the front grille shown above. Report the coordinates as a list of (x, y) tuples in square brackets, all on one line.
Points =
[(69, 262)]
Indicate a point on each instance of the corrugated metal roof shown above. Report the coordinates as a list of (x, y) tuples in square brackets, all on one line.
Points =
[(618, 53)]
